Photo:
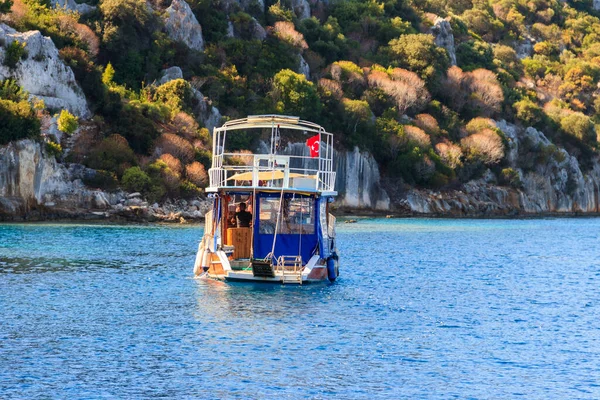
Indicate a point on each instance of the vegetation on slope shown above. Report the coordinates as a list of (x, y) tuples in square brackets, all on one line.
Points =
[(378, 80)]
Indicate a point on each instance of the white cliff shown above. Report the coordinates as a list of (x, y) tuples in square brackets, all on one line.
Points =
[(170, 74), (42, 73), (182, 26), (30, 179)]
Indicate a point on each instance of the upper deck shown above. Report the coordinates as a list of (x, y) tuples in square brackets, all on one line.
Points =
[(272, 171)]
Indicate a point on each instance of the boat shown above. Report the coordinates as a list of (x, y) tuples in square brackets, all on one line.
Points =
[(270, 219)]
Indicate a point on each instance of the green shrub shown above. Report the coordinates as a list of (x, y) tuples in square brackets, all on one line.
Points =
[(14, 52), (510, 177), (474, 54), (5, 6), (176, 95), (529, 112), (418, 53), (293, 94), (188, 189), (18, 121), (54, 149), (67, 122), (106, 180), (579, 126), (136, 180), (112, 154), (10, 90)]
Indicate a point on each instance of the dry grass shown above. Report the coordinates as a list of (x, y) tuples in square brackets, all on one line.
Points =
[(331, 88), (428, 123), (479, 90)]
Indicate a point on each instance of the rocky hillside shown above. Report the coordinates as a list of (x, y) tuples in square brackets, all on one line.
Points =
[(467, 108)]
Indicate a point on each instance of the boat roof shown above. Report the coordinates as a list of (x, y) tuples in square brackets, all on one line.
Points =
[(270, 120)]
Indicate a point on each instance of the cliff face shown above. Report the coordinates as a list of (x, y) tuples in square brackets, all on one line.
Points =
[(42, 73), (29, 179), (555, 183)]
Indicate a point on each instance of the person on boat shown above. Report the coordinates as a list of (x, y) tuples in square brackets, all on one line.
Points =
[(243, 218)]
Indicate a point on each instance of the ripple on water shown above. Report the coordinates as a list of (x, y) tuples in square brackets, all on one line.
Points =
[(423, 308)]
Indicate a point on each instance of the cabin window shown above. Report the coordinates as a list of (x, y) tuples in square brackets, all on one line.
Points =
[(297, 215)]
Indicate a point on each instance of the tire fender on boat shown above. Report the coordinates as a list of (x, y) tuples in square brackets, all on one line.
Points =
[(332, 268)]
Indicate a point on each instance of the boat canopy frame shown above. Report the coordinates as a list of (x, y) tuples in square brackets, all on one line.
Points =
[(235, 170)]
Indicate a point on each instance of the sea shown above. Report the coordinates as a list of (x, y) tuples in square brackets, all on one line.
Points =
[(423, 309)]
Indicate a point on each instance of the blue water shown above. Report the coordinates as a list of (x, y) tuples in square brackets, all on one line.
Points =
[(423, 309)]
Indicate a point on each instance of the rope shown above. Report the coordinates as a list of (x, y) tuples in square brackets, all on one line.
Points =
[(254, 200)]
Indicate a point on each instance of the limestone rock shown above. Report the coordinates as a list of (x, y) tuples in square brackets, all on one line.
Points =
[(71, 5), (170, 74), (29, 178), (556, 184), (181, 25), (304, 68), (301, 8), (444, 37), (208, 115), (43, 74)]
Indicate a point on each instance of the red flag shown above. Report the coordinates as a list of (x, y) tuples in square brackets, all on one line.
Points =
[(313, 144)]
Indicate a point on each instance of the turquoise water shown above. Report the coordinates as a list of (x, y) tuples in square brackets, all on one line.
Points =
[(423, 309)]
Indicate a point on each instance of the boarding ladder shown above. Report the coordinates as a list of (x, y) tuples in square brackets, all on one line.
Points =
[(291, 269)]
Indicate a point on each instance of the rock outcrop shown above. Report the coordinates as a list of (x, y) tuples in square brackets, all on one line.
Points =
[(182, 26), (555, 183), (29, 179), (72, 5), (170, 74), (304, 68), (301, 8), (34, 186), (444, 37), (42, 73)]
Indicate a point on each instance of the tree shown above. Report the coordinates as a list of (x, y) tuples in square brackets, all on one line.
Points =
[(418, 53), (108, 75), (293, 94), (485, 146), (579, 126), (136, 180), (67, 122)]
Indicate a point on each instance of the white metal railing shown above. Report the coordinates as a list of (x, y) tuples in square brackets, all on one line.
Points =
[(242, 169)]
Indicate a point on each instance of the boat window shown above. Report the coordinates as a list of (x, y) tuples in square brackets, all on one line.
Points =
[(297, 216)]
